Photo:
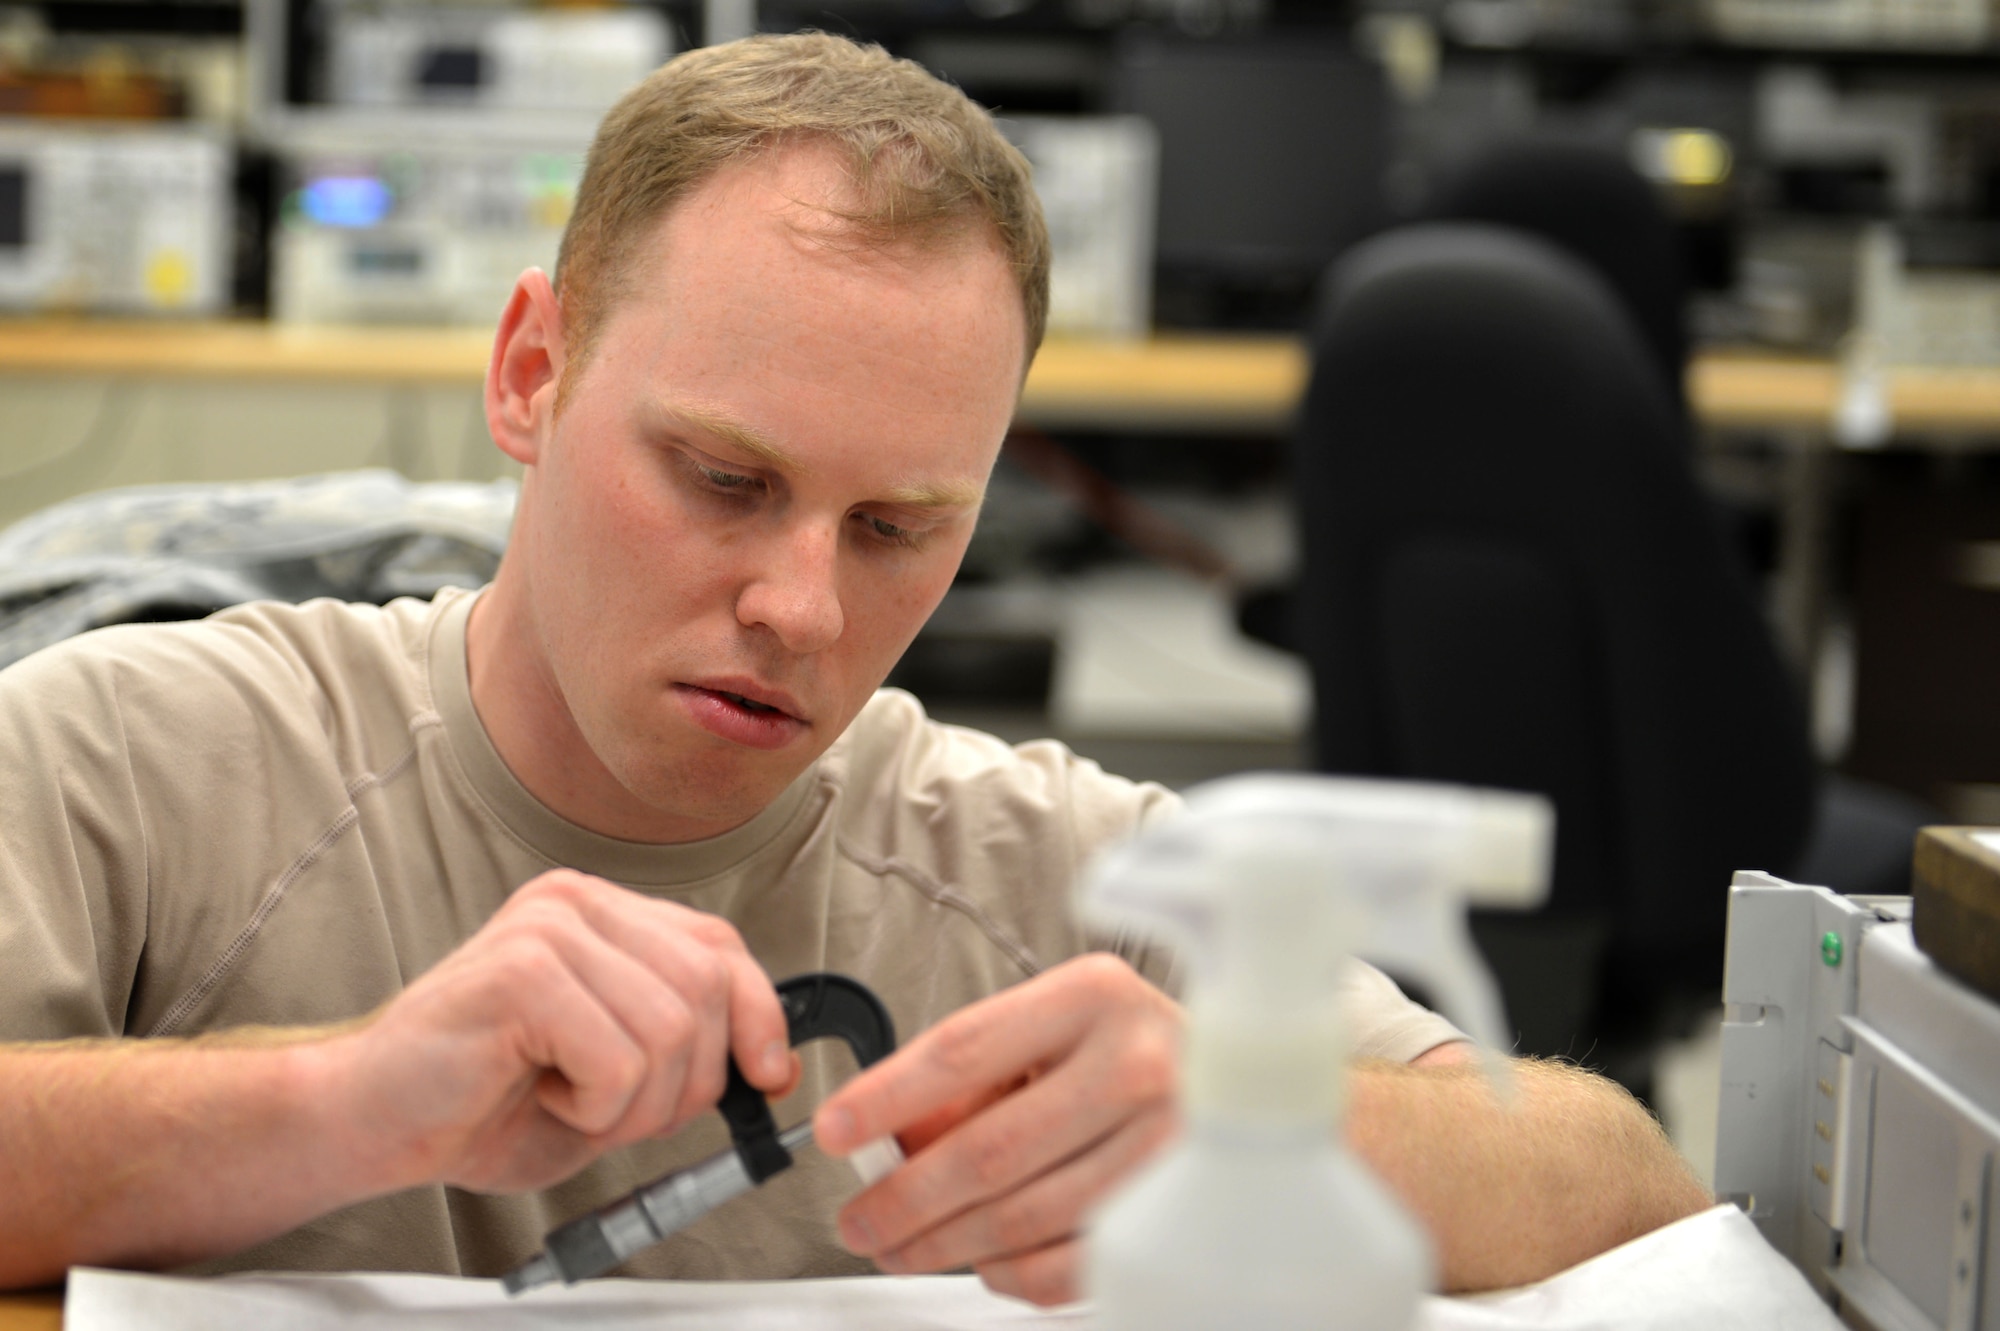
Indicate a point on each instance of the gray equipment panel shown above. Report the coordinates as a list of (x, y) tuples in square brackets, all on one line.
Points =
[(1860, 1113)]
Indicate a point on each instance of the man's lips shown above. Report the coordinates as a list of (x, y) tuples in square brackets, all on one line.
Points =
[(743, 713), (752, 696)]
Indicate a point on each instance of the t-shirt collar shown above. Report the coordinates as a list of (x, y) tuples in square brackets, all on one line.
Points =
[(547, 832)]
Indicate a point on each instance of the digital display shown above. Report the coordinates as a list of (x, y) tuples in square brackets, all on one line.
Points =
[(382, 261), (348, 201), (451, 67)]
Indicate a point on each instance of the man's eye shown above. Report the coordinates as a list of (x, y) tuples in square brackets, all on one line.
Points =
[(890, 532), (725, 480)]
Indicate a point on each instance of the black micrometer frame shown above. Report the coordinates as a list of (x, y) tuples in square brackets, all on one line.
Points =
[(817, 1005)]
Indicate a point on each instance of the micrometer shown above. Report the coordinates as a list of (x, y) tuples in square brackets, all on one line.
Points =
[(816, 1006)]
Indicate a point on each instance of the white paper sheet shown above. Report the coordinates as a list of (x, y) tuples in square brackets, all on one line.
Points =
[(121, 1301), (1711, 1272)]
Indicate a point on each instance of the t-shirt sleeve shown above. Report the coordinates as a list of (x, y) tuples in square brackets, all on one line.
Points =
[(73, 873), (1107, 810), (136, 844), (1383, 1021)]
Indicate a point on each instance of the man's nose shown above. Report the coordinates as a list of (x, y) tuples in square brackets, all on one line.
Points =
[(797, 593)]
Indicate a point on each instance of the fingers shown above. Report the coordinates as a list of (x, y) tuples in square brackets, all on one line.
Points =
[(704, 952), (1046, 1276), (671, 1028), (604, 1036), (581, 1017), (936, 1124), (993, 1154), (674, 982), (569, 1028), (1090, 1053), (758, 1034), (1044, 1211), (988, 1044)]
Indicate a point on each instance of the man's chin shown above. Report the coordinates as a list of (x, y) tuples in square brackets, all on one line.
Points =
[(711, 798)]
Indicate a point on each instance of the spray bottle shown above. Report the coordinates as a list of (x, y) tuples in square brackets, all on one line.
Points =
[(1259, 1217)]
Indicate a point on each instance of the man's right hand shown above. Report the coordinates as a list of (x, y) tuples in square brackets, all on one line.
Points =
[(581, 1018)]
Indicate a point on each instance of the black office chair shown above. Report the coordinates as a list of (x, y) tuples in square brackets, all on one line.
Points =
[(1584, 196), (1511, 578), (1587, 199)]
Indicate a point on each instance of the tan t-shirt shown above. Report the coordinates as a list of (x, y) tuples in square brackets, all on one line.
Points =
[(284, 814)]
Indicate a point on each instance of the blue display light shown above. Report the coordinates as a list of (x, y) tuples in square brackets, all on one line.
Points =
[(347, 201)]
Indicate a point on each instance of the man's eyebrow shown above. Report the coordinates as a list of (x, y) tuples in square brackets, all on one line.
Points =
[(748, 439), (945, 494), (743, 437)]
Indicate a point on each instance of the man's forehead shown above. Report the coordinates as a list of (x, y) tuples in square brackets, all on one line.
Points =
[(803, 194), (821, 191)]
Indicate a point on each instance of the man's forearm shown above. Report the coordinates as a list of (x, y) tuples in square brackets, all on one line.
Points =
[(1572, 1167), (159, 1152)]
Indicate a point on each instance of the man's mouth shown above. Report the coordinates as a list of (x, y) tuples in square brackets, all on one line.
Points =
[(742, 719), (765, 703), (750, 704)]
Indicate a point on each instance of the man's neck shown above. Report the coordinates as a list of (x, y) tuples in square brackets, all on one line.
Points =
[(521, 706)]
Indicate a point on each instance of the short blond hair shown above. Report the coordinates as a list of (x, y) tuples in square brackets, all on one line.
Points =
[(926, 161)]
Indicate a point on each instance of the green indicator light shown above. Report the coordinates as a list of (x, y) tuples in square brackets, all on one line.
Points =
[(1830, 948)]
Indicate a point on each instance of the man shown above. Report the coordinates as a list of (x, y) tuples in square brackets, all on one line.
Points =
[(442, 918)]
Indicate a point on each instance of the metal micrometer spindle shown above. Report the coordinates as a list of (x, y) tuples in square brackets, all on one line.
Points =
[(816, 1006)]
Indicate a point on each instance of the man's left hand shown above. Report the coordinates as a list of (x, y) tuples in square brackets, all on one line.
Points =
[(1020, 1113)]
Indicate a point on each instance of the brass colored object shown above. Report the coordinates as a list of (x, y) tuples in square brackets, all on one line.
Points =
[(1956, 912)]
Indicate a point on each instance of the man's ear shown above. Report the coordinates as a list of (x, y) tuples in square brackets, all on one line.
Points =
[(527, 366)]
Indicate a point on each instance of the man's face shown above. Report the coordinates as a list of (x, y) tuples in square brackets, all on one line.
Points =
[(760, 486)]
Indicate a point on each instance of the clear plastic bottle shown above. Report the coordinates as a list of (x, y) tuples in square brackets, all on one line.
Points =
[(1259, 1217)]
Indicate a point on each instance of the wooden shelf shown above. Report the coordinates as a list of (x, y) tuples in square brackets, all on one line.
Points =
[(1168, 382), (1251, 383), (31, 1312), (243, 350), (1732, 389)]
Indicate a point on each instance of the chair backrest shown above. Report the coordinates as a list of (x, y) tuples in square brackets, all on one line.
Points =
[(1511, 577), (1587, 199)]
